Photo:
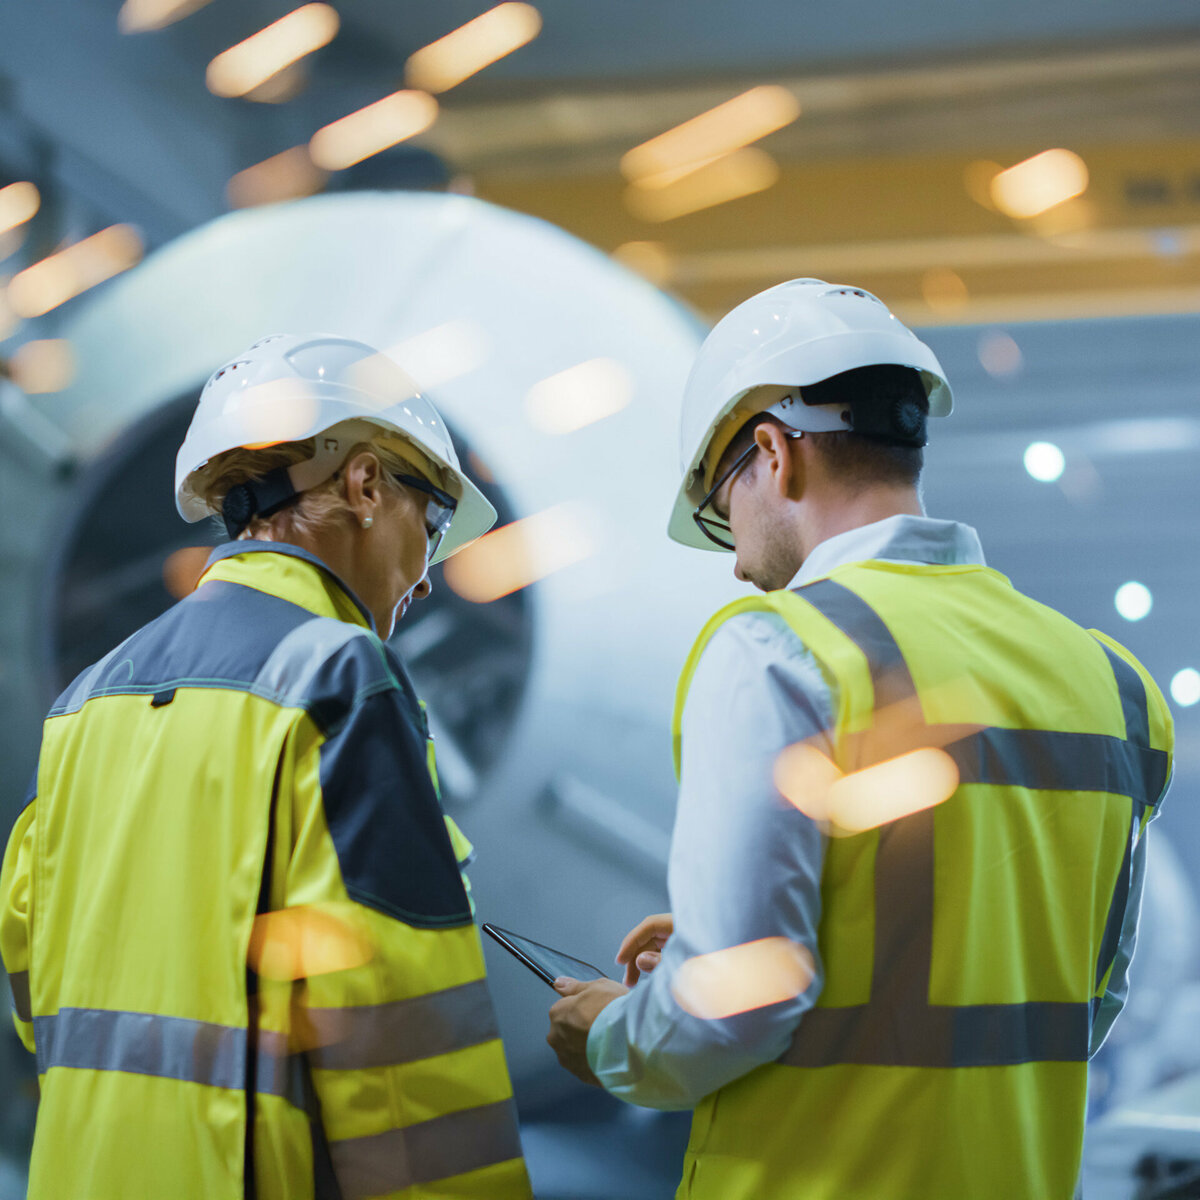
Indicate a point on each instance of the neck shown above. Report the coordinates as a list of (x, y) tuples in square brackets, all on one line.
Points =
[(845, 511), (341, 550)]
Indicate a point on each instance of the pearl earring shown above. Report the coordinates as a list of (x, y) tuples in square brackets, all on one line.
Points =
[(367, 522)]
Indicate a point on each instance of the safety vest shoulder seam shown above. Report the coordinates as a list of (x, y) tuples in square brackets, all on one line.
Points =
[(363, 896)]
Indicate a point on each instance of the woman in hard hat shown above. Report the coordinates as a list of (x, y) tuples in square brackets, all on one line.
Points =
[(253, 944)]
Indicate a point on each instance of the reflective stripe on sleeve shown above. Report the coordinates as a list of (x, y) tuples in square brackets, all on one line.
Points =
[(431, 1150), (386, 1035), (18, 982), (96, 1039)]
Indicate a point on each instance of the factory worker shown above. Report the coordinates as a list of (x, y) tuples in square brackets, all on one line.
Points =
[(232, 912), (905, 873)]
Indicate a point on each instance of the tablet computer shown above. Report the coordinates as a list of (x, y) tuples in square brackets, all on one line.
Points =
[(544, 961)]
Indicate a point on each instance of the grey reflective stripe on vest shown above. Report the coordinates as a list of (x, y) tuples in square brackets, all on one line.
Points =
[(437, 1149), (99, 1039), (18, 982), (898, 1026), (385, 1035)]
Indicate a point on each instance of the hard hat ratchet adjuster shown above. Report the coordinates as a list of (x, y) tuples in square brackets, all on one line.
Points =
[(257, 498)]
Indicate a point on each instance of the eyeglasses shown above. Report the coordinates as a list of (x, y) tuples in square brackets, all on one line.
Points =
[(716, 528), (439, 511)]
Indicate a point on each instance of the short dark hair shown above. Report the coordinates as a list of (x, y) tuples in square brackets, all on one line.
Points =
[(857, 459)]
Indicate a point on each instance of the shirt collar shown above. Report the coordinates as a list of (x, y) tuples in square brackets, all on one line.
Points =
[(330, 597), (895, 539)]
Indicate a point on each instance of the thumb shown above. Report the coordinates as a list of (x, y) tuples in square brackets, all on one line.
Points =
[(648, 960), (564, 985)]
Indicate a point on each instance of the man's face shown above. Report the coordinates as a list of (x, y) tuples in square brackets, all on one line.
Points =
[(747, 501)]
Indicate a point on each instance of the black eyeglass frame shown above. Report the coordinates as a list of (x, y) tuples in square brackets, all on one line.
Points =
[(719, 523), (439, 510)]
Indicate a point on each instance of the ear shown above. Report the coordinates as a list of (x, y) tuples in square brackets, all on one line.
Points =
[(362, 481), (783, 458)]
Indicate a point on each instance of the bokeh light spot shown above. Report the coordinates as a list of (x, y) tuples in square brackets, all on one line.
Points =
[(515, 555), (999, 354), (42, 366), (742, 978), (1133, 600), (579, 396), (1185, 687), (1044, 461), (183, 568), (300, 942), (890, 790)]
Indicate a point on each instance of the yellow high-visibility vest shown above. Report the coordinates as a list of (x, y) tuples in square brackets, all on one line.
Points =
[(966, 945), (240, 944)]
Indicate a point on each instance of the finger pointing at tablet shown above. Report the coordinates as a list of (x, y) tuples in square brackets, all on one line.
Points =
[(641, 951)]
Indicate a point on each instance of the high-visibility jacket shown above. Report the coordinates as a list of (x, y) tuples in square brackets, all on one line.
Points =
[(966, 945), (233, 892)]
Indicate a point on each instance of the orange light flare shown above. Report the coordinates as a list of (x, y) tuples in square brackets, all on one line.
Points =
[(300, 942), (718, 181), (579, 396), (19, 202), (909, 772), (944, 291), (1039, 183), (372, 129), (465, 51), (664, 159), (282, 410), (145, 16), (743, 978), (248, 65), (515, 555), (43, 366), (8, 319), (651, 260), (62, 276), (182, 570), (285, 176)]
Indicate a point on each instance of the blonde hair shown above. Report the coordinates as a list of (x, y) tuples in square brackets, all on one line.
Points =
[(320, 506)]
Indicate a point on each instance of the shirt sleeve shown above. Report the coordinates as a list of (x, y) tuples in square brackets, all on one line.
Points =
[(1117, 990), (744, 865), (389, 1001), (16, 918)]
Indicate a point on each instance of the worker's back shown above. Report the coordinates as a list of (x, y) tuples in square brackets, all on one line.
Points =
[(251, 754), (965, 946)]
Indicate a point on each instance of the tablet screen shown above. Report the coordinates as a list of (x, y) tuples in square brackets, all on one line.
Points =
[(544, 961)]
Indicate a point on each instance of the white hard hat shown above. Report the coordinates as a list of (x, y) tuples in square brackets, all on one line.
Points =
[(289, 387), (793, 335)]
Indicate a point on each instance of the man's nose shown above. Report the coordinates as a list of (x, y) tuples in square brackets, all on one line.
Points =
[(738, 573), (422, 589)]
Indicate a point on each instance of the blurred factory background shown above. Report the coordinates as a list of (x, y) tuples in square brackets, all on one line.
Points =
[(486, 194)]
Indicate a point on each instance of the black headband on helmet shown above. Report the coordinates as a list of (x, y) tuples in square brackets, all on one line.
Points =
[(257, 498), (887, 403)]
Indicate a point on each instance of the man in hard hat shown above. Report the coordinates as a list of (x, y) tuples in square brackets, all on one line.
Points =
[(232, 911), (906, 863)]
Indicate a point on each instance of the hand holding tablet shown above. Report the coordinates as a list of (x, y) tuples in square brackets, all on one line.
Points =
[(545, 962)]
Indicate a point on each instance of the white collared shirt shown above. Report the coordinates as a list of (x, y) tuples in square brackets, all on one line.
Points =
[(744, 863)]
